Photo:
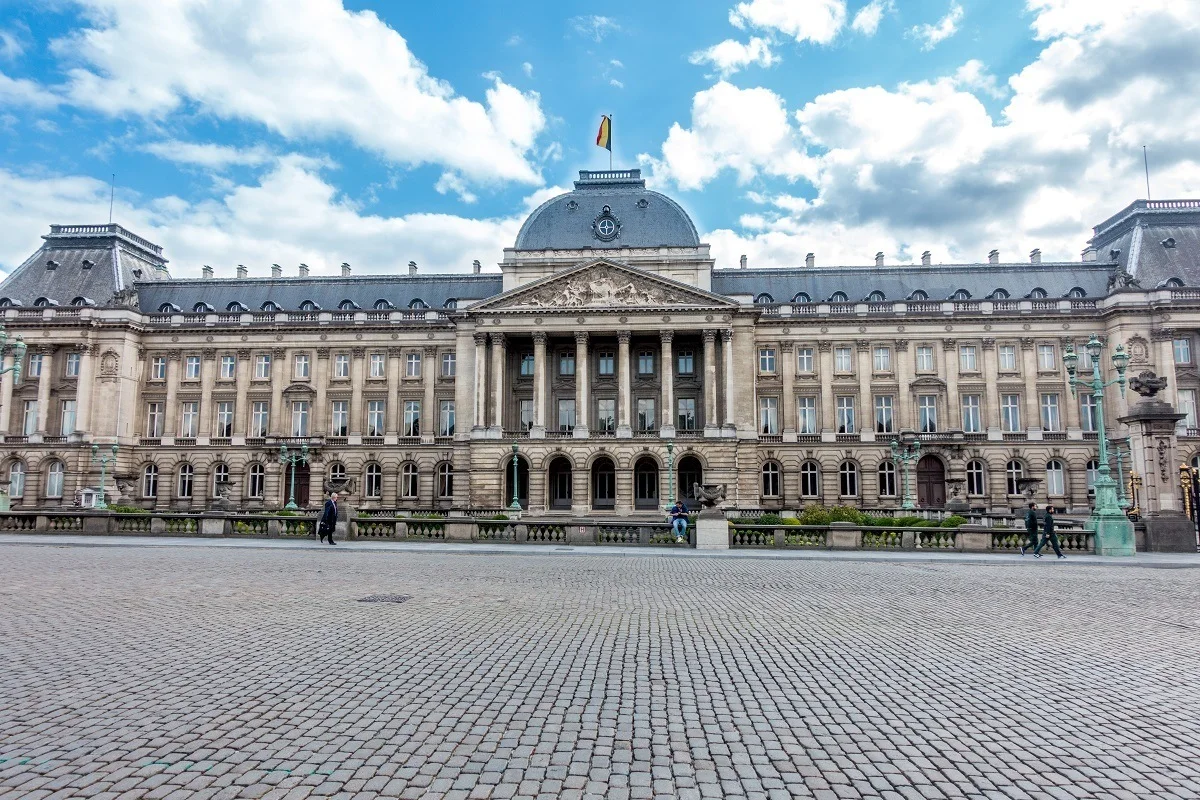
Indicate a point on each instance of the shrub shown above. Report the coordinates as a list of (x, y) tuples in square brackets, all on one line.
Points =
[(790, 521), (845, 514), (877, 522), (953, 521), (128, 510), (498, 516), (769, 519), (909, 522), (813, 514), (286, 512)]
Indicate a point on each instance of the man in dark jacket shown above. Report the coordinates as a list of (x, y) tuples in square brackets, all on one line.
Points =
[(328, 518), (1048, 534), (1031, 528)]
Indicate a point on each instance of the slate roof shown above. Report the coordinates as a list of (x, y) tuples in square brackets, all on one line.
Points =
[(1154, 241), (647, 219)]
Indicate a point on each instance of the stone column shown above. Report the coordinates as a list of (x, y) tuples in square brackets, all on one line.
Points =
[(357, 354), (43, 395), (280, 421), (480, 396), (1033, 411), (321, 415), (624, 426), (667, 428), (990, 415), (866, 404), (581, 385), (727, 352), (171, 420), (905, 369), (953, 410), (787, 358), (828, 417), (540, 383), (1069, 405), (208, 377), (85, 387), (241, 411), (429, 427), (499, 364), (710, 383), (391, 414), (6, 396)]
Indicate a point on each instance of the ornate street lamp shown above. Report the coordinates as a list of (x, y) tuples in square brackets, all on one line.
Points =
[(17, 348), (906, 454), (1122, 500), (292, 459), (1112, 529), (515, 505), (670, 473), (103, 461)]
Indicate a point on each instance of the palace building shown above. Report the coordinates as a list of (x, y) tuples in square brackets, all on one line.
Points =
[(610, 352)]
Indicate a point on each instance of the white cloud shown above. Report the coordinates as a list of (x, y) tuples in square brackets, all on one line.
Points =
[(211, 156), (731, 56), (615, 63), (303, 69), (974, 75), (867, 20), (933, 35), (527, 68), (24, 92), (616, 83), (594, 26), (11, 46), (513, 41), (449, 182), (817, 21)]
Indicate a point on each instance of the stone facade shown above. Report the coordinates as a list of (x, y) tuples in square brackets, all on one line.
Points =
[(788, 385)]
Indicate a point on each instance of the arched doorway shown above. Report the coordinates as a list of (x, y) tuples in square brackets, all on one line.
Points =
[(690, 472), (931, 482), (559, 483), (604, 484), (645, 483), (522, 482), (302, 479)]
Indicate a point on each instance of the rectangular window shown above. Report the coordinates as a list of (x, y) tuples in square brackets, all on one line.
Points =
[(884, 414), (566, 415), (378, 365), (262, 366), (302, 366), (412, 365), (1050, 417), (606, 362), (925, 359), (972, 422), (766, 360), (189, 419), (527, 365), (260, 418), (927, 413), (883, 359), (1008, 358), (449, 365), (807, 422), (566, 366), (768, 415), (154, 420), (412, 418), (1183, 351), (68, 417), (1087, 410), (967, 361), (228, 367), (340, 421), (686, 362), (646, 421), (645, 362), (1010, 413), (224, 426), (526, 410), (29, 419), (845, 414), (376, 410), (35, 366), (158, 368), (843, 360), (1046, 359), (446, 418), (300, 418), (685, 417), (191, 368), (804, 359), (72, 366), (341, 365), (606, 415), (1187, 405)]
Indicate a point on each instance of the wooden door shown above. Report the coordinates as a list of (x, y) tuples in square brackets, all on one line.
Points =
[(931, 483)]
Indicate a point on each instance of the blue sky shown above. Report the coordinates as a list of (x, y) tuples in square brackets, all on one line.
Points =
[(281, 131)]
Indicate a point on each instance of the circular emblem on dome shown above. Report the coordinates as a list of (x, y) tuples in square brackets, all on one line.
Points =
[(606, 227), (643, 203), (572, 205)]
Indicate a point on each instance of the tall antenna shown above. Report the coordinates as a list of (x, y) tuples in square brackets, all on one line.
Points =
[(1146, 161), (610, 143), (112, 193)]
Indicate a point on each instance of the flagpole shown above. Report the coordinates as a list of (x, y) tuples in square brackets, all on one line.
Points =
[(610, 166)]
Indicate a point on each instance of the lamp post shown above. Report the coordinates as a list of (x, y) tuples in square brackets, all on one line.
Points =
[(17, 348), (292, 459), (1111, 527), (670, 473), (906, 454), (515, 505), (1122, 500), (103, 461)]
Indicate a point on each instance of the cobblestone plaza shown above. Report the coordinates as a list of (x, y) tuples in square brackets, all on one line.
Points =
[(133, 672)]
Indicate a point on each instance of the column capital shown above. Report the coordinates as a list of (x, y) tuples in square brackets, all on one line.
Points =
[(864, 345), (787, 347), (395, 352), (243, 352), (581, 338), (727, 335), (710, 336), (1027, 342), (498, 339), (539, 338), (174, 355), (209, 353), (824, 345), (948, 345), (322, 352), (989, 344), (480, 339), (279, 352), (901, 345), (358, 352), (623, 337), (666, 335), (430, 351)]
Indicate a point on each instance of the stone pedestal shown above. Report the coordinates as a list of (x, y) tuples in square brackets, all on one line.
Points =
[(1113, 535), (845, 536), (974, 538), (1170, 532), (712, 530), (345, 528), (214, 526)]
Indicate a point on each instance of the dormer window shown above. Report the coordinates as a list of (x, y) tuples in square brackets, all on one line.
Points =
[(839, 297), (309, 305), (452, 303), (1037, 294), (919, 294), (384, 305), (88, 264), (876, 297), (270, 306), (7, 302), (51, 264), (201, 308), (79, 302), (167, 308), (1076, 293), (417, 303), (236, 307), (961, 294), (347, 305), (801, 297), (1173, 283), (999, 294), (763, 299)]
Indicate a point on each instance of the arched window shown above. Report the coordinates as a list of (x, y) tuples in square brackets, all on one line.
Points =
[(235, 307), (150, 481), (201, 308), (801, 297), (309, 305), (887, 479), (347, 305), (451, 304), (43, 302), (1173, 283), (220, 476), (876, 297), (337, 472), (79, 302), (1076, 293), (16, 479), (408, 481), (270, 305), (763, 299), (1014, 470), (999, 294), (7, 302), (1055, 478), (54, 479), (848, 479), (256, 481), (976, 478), (445, 481), (1093, 472), (770, 479), (838, 297), (1037, 294), (167, 308), (919, 294), (186, 475), (373, 487), (417, 303), (961, 294), (383, 305), (810, 479)]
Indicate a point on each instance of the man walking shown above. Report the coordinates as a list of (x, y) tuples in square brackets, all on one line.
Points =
[(328, 518), (679, 520), (1031, 528), (1048, 534)]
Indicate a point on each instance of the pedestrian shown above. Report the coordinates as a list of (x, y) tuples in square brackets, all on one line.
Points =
[(1048, 534), (679, 520), (1031, 528), (328, 519)]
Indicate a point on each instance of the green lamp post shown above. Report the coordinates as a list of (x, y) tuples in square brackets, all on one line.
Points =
[(103, 461), (1122, 500), (1110, 526), (515, 505), (292, 459), (906, 454)]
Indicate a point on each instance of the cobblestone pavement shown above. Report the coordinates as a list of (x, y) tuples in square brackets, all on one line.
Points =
[(220, 673)]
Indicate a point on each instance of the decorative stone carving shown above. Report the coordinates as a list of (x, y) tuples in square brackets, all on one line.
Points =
[(666, 335), (989, 344), (322, 352), (481, 339), (539, 337), (1027, 343), (901, 345), (358, 352), (1147, 384), (864, 345), (243, 353), (710, 495), (604, 286), (1138, 349), (110, 364), (824, 345), (727, 336), (709, 336), (949, 345), (209, 353), (1122, 280), (1162, 334)]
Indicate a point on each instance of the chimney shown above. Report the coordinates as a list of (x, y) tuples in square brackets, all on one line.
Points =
[(412, 269), (476, 267), (810, 261), (879, 259), (1090, 254), (742, 262), (241, 271), (206, 272), (345, 270), (276, 271), (926, 258), (994, 257), (1035, 256), (304, 270)]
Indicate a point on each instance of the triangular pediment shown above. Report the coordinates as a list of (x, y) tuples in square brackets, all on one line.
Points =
[(603, 284)]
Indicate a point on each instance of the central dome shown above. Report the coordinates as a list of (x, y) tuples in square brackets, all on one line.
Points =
[(608, 210)]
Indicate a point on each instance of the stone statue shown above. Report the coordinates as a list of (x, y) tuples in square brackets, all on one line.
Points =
[(1121, 279), (220, 499), (1147, 384), (126, 486), (709, 495)]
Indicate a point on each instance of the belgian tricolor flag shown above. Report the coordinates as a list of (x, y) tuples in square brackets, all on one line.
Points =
[(604, 135)]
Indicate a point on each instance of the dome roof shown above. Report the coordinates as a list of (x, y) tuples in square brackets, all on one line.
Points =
[(608, 210)]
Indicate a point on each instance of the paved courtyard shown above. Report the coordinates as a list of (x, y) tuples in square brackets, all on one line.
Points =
[(203, 672)]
